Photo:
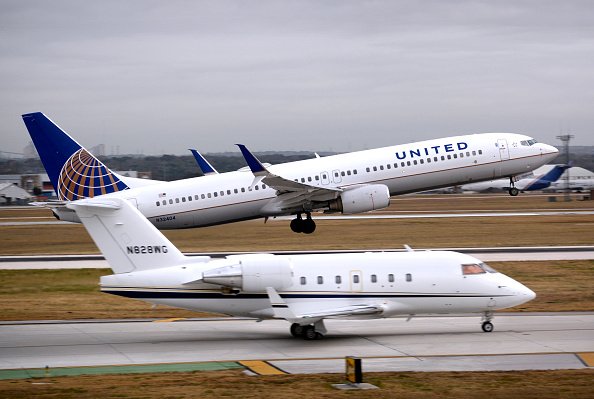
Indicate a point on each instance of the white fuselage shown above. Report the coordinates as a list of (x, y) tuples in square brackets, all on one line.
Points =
[(229, 197), (398, 283)]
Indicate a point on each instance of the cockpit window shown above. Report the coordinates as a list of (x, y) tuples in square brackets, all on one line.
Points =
[(528, 143), (477, 268)]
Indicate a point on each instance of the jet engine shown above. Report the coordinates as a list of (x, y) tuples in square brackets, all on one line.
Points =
[(362, 199), (252, 273)]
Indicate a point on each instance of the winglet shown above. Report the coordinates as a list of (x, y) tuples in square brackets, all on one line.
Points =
[(258, 169), (203, 164), (279, 306)]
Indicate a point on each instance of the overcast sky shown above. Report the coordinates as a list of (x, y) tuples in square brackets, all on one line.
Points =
[(163, 76)]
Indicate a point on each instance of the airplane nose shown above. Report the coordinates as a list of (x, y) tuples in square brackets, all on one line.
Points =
[(528, 294), (548, 151)]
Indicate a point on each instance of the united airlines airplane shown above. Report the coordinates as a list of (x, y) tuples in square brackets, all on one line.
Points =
[(348, 183), (302, 289)]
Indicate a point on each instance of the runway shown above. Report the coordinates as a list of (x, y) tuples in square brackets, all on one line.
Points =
[(32, 221), (520, 341), (495, 254)]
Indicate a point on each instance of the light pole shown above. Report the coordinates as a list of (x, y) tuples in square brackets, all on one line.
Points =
[(565, 138)]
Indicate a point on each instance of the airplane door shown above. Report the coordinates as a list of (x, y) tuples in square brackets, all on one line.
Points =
[(503, 149), (356, 280), (336, 176), (325, 178)]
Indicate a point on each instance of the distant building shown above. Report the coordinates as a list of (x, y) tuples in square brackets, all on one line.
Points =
[(11, 194)]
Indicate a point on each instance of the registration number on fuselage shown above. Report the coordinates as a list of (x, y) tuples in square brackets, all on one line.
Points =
[(165, 218)]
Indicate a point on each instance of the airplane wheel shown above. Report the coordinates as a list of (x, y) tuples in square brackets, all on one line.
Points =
[(297, 225), (309, 226), (514, 191), (487, 326), (296, 330), (309, 333)]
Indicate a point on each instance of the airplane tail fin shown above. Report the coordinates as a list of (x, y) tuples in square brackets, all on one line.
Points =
[(74, 172), (128, 241), (551, 176)]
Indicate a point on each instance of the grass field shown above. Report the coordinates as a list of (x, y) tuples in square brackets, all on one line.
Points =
[(347, 234), (575, 384)]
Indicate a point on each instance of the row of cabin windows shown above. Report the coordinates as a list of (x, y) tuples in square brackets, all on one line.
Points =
[(356, 279), (423, 161), (316, 178), (209, 195)]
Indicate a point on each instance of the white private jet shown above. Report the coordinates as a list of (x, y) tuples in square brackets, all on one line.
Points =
[(348, 183), (302, 289)]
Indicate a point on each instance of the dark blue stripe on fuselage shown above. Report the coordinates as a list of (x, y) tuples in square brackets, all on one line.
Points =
[(213, 295)]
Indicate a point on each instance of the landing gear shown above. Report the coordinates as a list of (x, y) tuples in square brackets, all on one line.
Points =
[(513, 191), (305, 226), (308, 332), (486, 325)]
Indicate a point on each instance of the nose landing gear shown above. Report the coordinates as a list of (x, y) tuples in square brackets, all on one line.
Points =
[(513, 191), (305, 226), (486, 325)]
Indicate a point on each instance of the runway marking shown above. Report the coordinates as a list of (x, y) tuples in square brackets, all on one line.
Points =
[(587, 358), (261, 367), (171, 320)]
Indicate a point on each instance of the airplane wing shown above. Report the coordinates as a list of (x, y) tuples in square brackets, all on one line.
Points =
[(283, 311), (279, 183)]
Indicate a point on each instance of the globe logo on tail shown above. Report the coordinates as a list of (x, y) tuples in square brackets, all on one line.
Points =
[(84, 176)]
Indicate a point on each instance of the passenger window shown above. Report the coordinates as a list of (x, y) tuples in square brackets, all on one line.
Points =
[(243, 189), (480, 152), (202, 196), (474, 153), (415, 161), (196, 197), (171, 201), (407, 163), (428, 160), (303, 281), (158, 203), (391, 278), (389, 166), (374, 278), (455, 156), (222, 193), (408, 277), (402, 164), (257, 187), (355, 171), (461, 155), (467, 153), (381, 167), (356, 279), (421, 161), (442, 158), (435, 159), (228, 192), (235, 191), (375, 168), (183, 199), (449, 156), (164, 202), (317, 178), (320, 280), (348, 172), (338, 279), (395, 165), (342, 173), (215, 194), (209, 195), (177, 200)]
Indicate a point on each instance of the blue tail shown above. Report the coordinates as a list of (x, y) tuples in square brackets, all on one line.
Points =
[(75, 173), (551, 176)]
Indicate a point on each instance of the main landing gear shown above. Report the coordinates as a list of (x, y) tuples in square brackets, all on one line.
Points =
[(487, 326), (513, 191), (305, 226), (308, 332)]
